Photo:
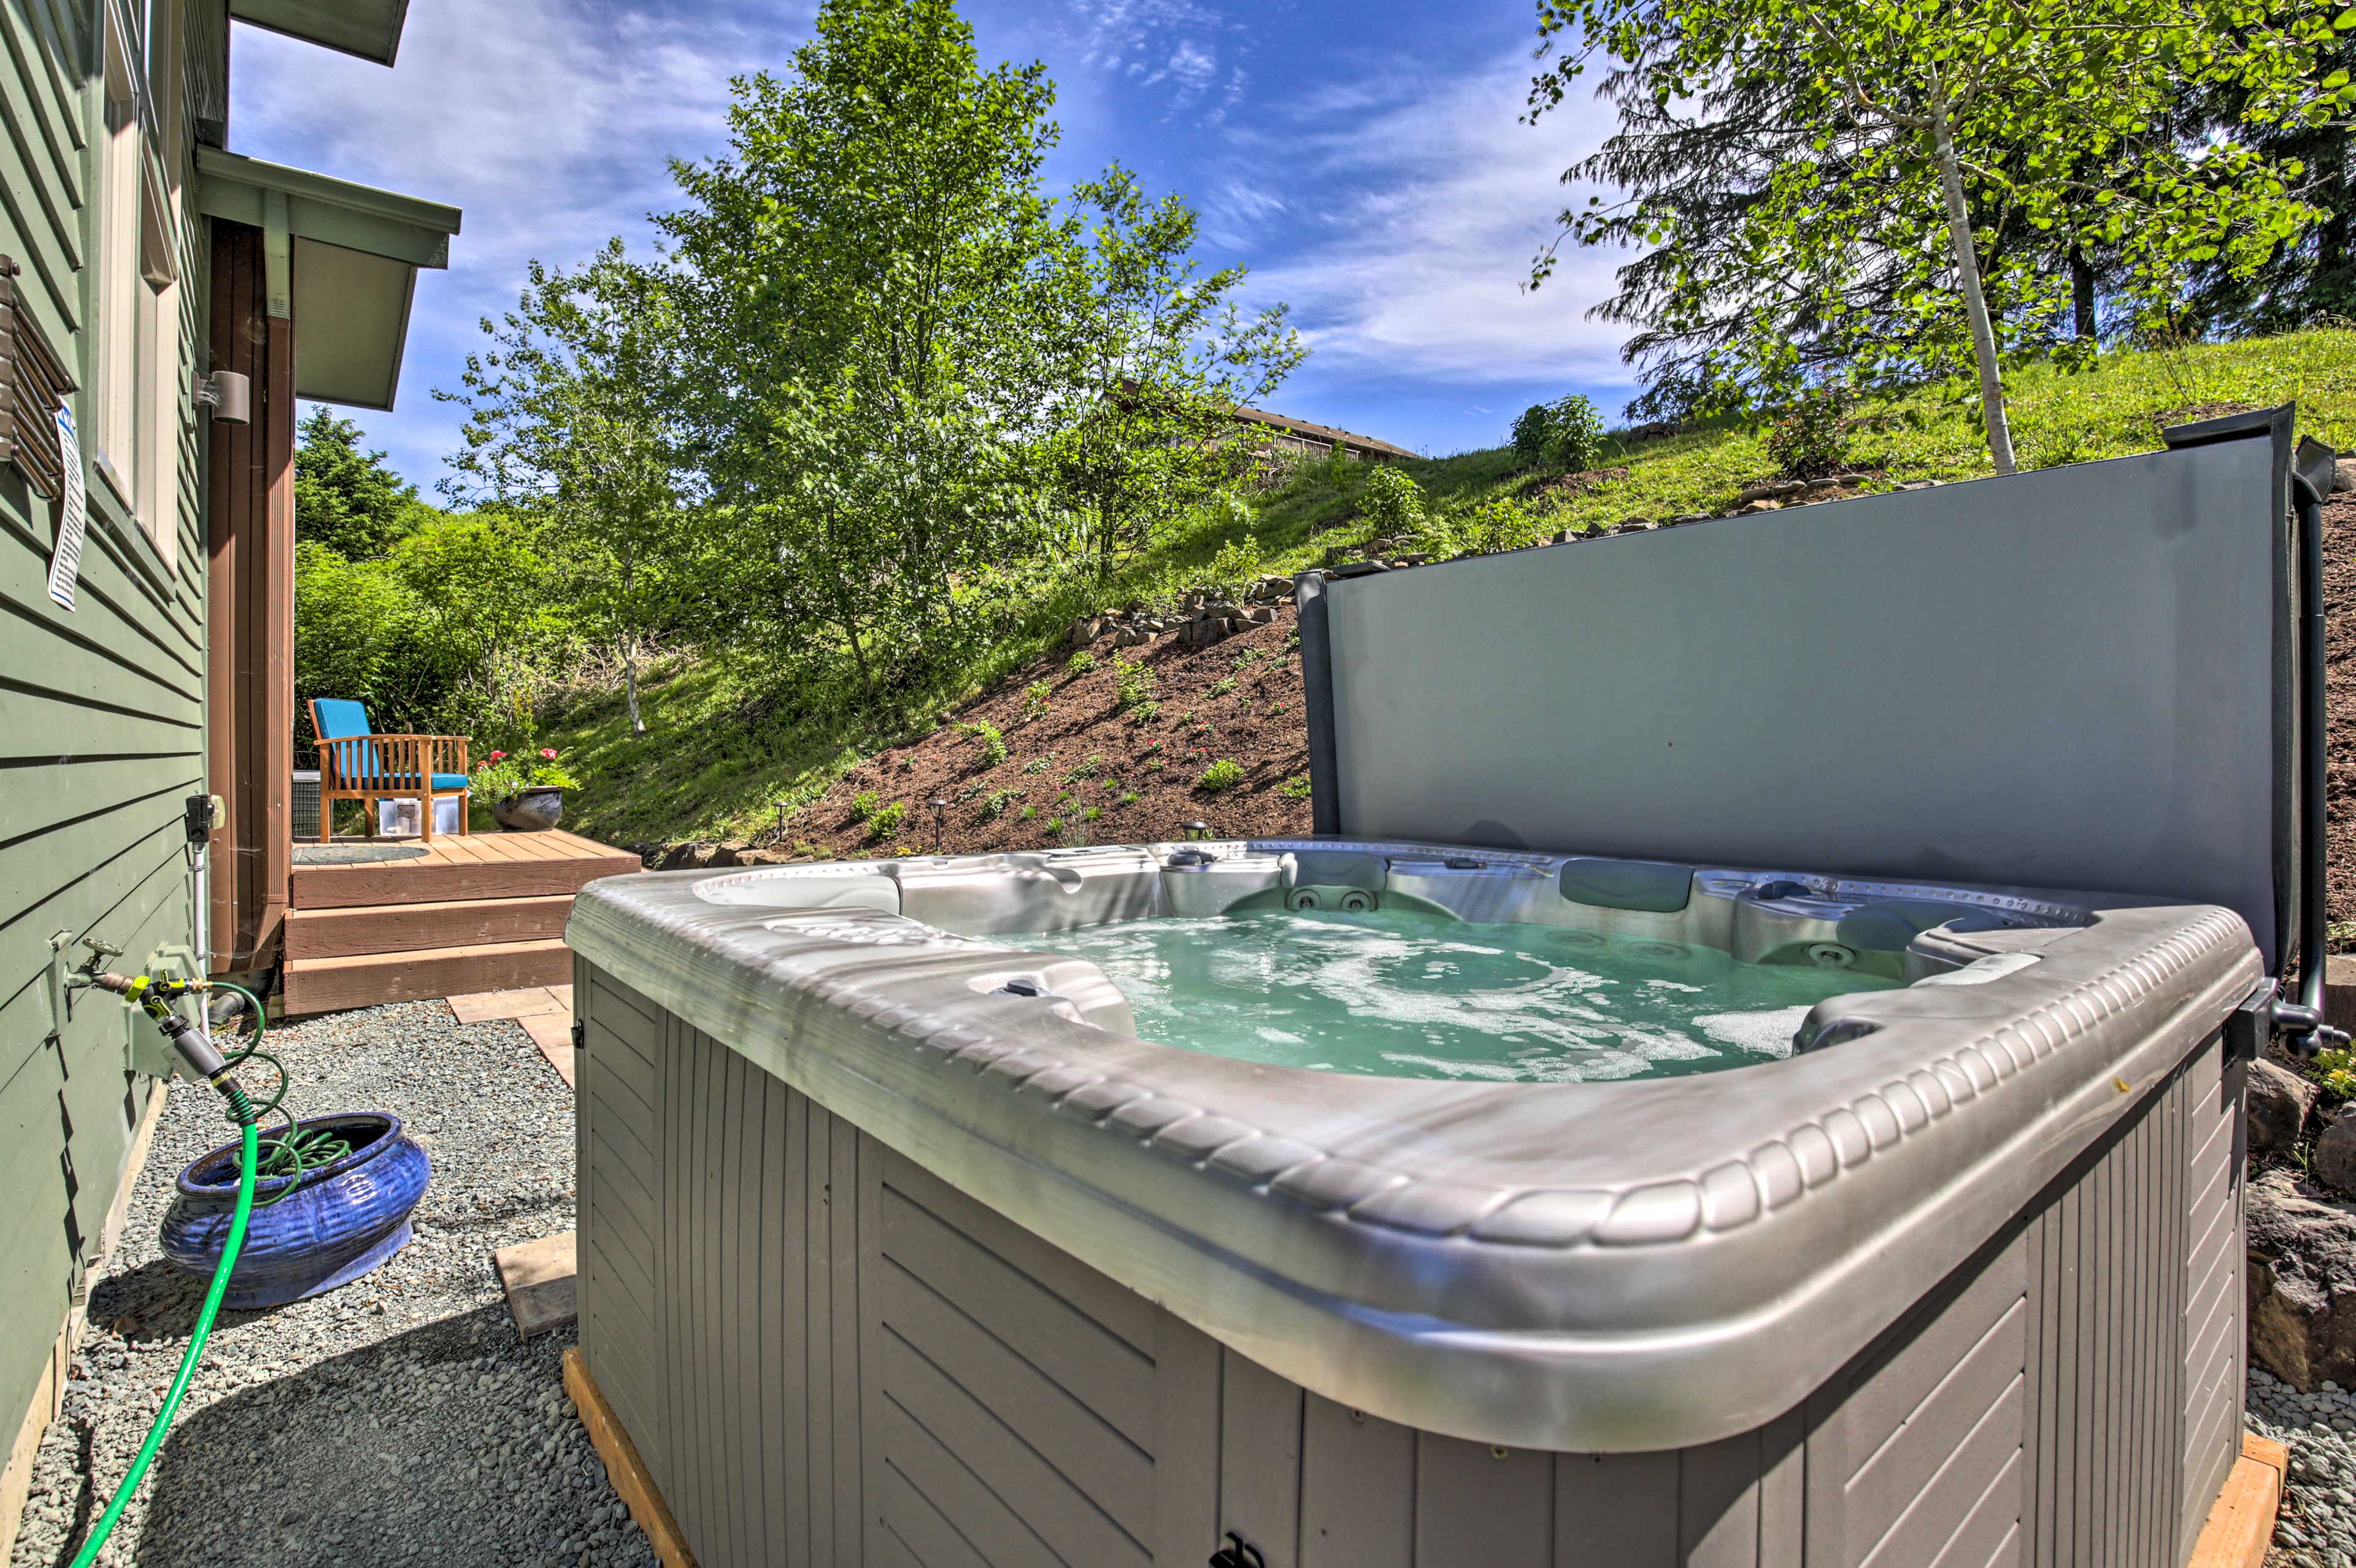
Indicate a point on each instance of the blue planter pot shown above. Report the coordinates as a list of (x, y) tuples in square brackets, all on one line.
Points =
[(340, 1219)]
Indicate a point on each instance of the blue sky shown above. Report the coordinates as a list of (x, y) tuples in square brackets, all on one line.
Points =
[(1364, 162)]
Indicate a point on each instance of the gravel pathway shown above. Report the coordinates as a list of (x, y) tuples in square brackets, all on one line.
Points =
[(2316, 1527), (394, 1419)]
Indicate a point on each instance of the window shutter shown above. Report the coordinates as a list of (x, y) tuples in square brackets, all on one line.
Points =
[(33, 382)]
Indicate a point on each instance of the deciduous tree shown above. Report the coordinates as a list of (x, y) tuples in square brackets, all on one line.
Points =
[(1931, 130)]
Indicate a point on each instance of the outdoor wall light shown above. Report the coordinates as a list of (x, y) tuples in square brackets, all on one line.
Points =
[(227, 396)]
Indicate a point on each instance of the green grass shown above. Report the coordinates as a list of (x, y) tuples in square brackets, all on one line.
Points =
[(727, 742)]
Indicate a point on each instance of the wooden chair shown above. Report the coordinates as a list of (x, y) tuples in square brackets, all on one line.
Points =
[(354, 763)]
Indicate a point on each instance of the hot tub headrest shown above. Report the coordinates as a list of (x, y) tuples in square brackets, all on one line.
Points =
[(1338, 869), (1655, 887)]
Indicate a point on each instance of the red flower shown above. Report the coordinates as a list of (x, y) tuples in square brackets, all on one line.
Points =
[(549, 752), (497, 756)]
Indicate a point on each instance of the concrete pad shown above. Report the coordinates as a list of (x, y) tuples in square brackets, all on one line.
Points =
[(542, 1282), (564, 994), (553, 1032), (520, 1003)]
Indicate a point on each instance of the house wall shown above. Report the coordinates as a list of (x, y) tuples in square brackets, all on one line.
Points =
[(824, 1355), (102, 707)]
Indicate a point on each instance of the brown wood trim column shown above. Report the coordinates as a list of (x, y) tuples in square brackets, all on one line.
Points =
[(250, 608)]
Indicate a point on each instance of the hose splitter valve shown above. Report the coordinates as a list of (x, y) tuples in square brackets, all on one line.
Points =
[(155, 998)]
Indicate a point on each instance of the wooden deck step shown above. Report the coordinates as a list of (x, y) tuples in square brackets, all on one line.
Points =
[(323, 984), (362, 929), (464, 868)]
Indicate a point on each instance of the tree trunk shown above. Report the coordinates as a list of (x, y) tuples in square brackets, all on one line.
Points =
[(630, 682), (2081, 293), (1968, 272)]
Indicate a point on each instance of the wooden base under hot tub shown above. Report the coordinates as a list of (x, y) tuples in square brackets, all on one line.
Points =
[(827, 1355)]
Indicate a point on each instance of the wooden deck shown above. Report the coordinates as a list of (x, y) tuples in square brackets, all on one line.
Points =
[(481, 912)]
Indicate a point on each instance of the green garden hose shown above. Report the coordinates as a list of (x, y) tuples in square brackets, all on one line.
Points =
[(248, 1159), (290, 1152)]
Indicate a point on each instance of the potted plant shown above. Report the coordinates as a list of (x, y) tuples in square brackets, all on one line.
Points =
[(525, 793)]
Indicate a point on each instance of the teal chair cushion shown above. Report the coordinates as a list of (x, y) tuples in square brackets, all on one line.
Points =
[(340, 718)]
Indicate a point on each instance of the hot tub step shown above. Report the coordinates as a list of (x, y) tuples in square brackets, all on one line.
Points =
[(325, 984)]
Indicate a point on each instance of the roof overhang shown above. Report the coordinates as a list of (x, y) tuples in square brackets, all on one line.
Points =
[(342, 261), (368, 29)]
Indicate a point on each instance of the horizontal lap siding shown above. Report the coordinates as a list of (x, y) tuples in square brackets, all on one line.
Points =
[(101, 714), (861, 1363)]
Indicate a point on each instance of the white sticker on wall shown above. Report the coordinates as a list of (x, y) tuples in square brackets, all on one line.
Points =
[(65, 567)]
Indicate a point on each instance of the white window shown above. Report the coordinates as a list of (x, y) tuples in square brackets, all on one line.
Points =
[(136, 430)]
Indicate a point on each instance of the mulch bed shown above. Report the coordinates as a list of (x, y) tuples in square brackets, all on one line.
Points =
[(1086, 751), (2340, 651)]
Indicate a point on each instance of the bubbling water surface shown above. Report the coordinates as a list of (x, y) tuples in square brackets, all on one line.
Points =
[(1409, 995)]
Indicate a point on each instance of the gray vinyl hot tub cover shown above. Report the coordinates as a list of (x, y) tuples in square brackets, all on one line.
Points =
[(1596, 1266), (2076, 678)]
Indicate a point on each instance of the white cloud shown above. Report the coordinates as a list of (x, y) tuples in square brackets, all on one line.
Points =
[(548, 122), (1437, 200)]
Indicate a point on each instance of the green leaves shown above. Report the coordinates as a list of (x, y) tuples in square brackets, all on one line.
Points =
[(1787, 181)]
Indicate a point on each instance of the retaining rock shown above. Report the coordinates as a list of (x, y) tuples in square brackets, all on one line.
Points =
[(2278, 1107), (2302, 1281), (2333, 1161)]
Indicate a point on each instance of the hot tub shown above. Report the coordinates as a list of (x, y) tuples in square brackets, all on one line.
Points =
[(899, 1245)]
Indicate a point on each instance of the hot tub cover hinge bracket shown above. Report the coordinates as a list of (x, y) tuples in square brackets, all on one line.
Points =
[(2266, 1014)]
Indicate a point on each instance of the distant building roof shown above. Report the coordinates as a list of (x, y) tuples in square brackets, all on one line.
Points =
[(1324, 432)]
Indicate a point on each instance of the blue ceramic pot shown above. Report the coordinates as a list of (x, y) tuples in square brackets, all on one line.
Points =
[(340, 1219)]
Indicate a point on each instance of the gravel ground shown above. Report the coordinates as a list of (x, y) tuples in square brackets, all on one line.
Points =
[(396, 1419), (2316, 1527)]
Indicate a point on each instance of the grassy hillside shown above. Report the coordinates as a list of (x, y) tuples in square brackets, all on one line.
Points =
[(725, 745)]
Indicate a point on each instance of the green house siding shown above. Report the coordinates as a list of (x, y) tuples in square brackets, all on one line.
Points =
[(101, 708)]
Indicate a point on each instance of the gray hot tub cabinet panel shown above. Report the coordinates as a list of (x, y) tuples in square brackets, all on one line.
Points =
[(827, 1356)]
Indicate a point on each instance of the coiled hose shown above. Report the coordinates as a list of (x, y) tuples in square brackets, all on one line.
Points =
[(292, 1152)]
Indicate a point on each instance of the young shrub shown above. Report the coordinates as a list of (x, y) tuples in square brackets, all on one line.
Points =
[(1145, 712), (1081, 663), (1336, 466), (1054, 825), (1809, 439), (1035, 702), (862, 806), (993, 744), (1090, 813), (1040, 764), (1391, 501), (1501, 522), (886, 821), (1237, 566), (1128, 797), (1222, 686), (1225, 774), (994, 806), (1088, 768), (1294, 788), (1567, 432), (1132, 682)]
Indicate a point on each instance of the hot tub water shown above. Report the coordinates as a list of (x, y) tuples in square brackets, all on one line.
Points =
[(1409, 995)]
